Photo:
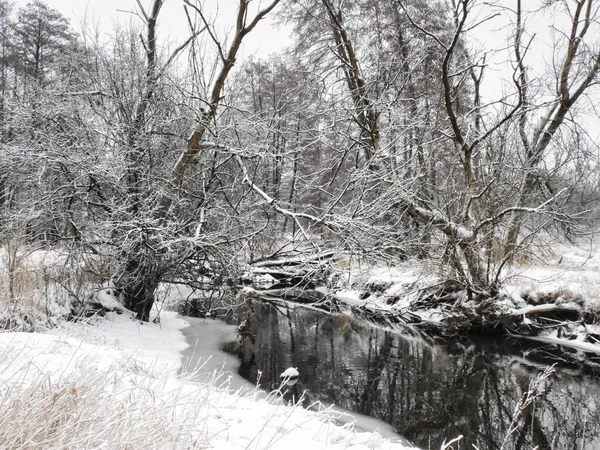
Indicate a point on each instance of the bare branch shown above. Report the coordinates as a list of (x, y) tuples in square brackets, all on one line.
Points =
[(261, 15), (182, 47), (142, 10), (195, 139), (536, 210), (208, 28), (420, 28)]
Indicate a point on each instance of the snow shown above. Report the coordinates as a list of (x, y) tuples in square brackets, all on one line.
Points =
[(400, 282), (530, 309), (290, 376), (118, 383), (571, 270), (564, 275), (263, 280), (108, 300), (349, 296), (290, 372), (573, 343), (156, 345)]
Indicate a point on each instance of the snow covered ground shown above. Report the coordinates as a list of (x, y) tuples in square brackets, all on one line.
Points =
[(573, 272), (553, 277), (114, 385)]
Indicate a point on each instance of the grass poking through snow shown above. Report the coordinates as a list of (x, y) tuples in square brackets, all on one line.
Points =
[(57, 392)]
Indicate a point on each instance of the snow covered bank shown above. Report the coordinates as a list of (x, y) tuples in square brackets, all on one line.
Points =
[(552, 294), (113, 386), (203, 359)]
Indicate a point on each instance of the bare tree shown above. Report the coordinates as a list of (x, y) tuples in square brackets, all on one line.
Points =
[(140, 276), (465, 192), (578, 71), (376, 135), (195, 143)]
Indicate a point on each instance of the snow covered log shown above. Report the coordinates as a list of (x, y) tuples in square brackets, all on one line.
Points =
[(385, 317), (300, 259), (312, 297), (308, 270), (547, 308)]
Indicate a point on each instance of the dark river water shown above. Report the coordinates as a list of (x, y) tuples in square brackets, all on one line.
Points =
[(427, 390)]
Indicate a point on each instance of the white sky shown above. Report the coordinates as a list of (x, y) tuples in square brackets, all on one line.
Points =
[(172, 23), (266, 38)]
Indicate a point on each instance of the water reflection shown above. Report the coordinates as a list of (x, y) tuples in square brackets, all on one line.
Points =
[(428, 391)]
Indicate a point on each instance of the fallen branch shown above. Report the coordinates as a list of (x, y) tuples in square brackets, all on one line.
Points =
[(295, 260), (545, 308)]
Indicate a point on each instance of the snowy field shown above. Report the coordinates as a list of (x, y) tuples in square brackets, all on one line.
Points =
[(570, 271), (115, 385)]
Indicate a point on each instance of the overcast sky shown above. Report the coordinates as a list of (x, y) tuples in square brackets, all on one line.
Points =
[(172, 21), (266, 38)]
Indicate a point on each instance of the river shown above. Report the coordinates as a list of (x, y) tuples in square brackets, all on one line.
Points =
[(427, 389), (210, 359)]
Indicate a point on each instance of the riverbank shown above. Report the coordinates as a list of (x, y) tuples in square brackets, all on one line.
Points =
[(552, 296), (114, 383)]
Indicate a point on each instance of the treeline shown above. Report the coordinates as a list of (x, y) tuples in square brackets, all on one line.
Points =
[(375, 133)]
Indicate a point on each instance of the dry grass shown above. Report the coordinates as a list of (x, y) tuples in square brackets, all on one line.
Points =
[(130, 408), (25, 275), (97, 409), (93, 412), (39, 286)]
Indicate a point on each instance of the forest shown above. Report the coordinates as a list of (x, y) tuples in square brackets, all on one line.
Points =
[(457, 136)]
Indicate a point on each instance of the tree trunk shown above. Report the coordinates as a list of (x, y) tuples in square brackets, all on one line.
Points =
[(138, 283)]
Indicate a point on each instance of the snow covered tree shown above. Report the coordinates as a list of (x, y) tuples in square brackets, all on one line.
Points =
[(35, 121), (164, 240), (438, 152), (42, 36)]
